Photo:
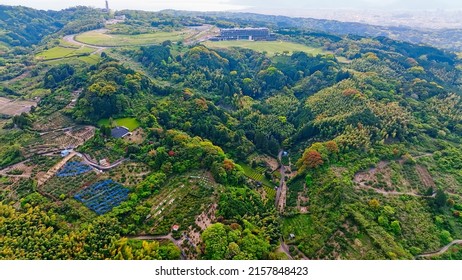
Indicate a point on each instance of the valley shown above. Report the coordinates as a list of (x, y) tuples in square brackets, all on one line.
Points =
[(144, 139)]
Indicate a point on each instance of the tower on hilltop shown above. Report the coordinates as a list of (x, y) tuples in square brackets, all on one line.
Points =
[(107, 6)]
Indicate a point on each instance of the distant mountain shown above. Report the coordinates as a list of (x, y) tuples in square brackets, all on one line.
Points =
[(450, 39), (22, 26)]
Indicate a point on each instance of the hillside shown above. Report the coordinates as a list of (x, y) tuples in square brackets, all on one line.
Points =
[(314, 146)]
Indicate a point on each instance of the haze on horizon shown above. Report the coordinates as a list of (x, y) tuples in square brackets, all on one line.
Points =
[(268, 6)]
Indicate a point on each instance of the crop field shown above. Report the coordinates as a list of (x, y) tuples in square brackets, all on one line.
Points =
[(395, 176), (300, 225), (129, 174), (270, 47), (111, 155), (99, 38), (101, 197), (63, 52), (180, 202), (15, 107), (73, 168), (257, 174), (270, 193), (61, 187), (88, 59), (54, 121), (130, 123)]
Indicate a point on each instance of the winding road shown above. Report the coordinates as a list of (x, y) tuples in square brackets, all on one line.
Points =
[(441, 251), (160, 237), (71, 39)]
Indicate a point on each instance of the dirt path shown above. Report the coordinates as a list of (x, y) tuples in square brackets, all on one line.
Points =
[(281, 193), (361, 177), (284, 249), (441, 251), (425, 176), (54, 169), (160, 237)]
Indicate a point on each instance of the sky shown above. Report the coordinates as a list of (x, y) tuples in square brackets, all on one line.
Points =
[(254, 5)]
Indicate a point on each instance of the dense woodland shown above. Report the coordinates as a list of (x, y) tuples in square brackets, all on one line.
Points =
[(387, 110)]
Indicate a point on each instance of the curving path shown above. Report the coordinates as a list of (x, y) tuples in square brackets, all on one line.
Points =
[(71, 39), (160, 237), (442, 250), (100, 167)]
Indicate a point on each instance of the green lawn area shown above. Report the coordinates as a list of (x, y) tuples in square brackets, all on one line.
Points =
[(89, 59), (300, 225), (66, 44), (98, 38), (130, 123), (257, 174), (63, 52), (271, 47)]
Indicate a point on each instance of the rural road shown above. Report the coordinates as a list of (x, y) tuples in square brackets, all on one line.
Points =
[(71, 39), (441, 251), (282, 190), (285, 249), (160, 237), (100, 167)]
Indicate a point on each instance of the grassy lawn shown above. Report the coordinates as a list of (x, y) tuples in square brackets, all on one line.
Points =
[(89, 59), (63, 52), (271, 47), (300, 225), (130, 123), (99, 38)]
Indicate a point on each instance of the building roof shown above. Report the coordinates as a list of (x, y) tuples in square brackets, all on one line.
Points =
[(119, 132)]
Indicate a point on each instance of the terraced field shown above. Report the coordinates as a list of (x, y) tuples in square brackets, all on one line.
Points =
[(179, 202), (257, 174), (64, 52), (64, 186)]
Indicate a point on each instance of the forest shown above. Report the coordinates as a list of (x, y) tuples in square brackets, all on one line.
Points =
[(350, 151)]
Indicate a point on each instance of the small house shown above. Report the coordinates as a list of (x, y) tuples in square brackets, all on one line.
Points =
[(120, 132)]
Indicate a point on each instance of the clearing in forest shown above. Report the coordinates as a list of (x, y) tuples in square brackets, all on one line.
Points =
[(130, 123), (12, 107), (101, 38), (64, 52)]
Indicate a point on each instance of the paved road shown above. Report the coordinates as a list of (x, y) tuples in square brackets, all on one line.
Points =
[(100, 167), (441, 251), (71, 39)]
